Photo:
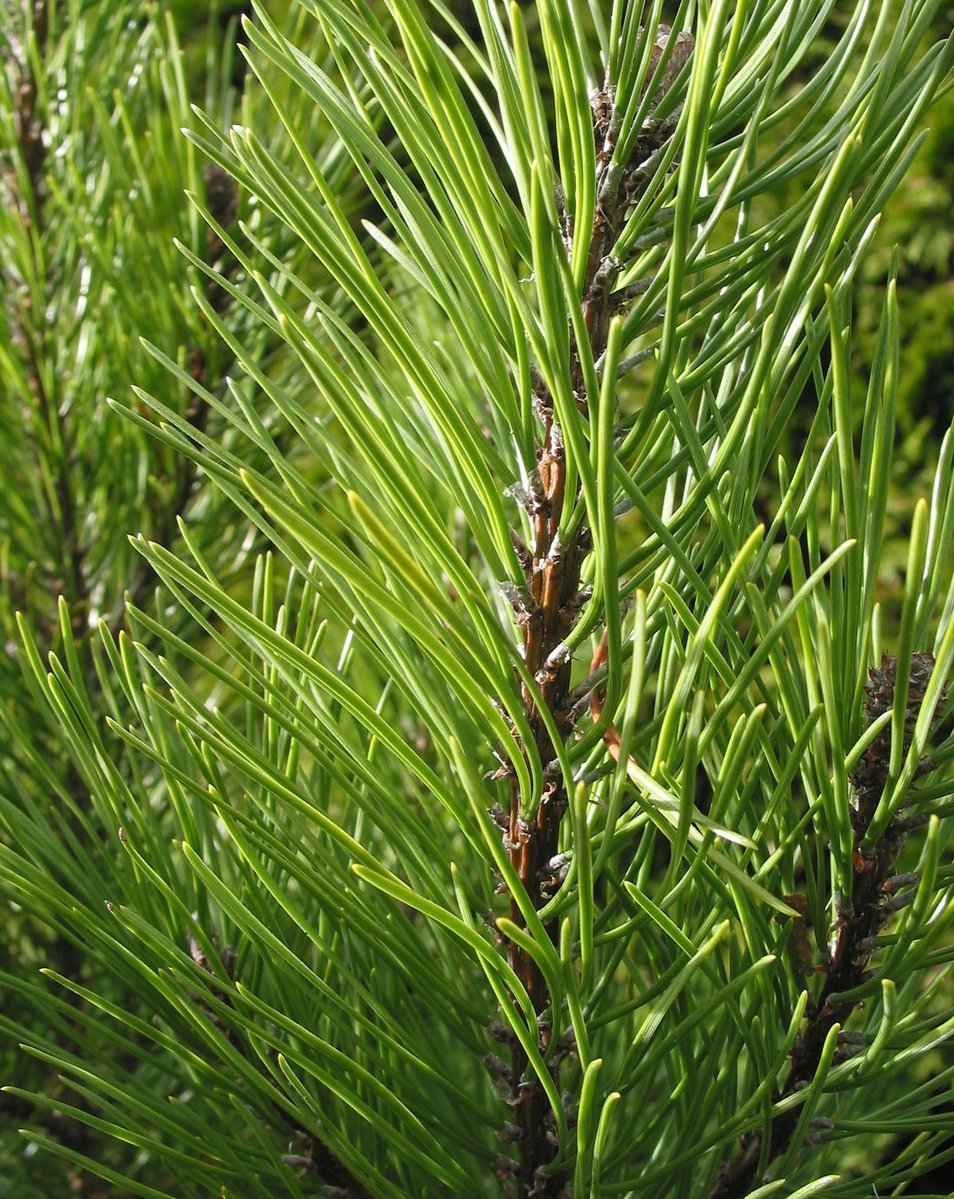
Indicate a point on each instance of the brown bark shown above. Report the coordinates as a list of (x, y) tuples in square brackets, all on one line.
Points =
[(552, 576)]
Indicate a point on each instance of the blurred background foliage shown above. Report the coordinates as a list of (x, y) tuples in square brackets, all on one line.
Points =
[(90, 265)]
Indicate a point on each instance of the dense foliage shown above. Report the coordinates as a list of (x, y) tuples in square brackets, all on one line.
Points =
[(474, 717)]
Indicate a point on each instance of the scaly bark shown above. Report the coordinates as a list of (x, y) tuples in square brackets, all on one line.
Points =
[(547, 612)]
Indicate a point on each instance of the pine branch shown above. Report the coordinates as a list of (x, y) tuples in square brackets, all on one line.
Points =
[(555, 597), (861, 918), (27, 193), (304, 760)]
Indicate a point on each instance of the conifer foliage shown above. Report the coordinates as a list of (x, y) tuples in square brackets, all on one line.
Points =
[(456, 735)]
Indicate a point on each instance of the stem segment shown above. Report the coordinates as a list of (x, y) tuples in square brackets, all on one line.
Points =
[(552, 576)]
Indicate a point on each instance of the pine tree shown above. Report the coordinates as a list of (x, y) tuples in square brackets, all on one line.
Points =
[(457, 739)]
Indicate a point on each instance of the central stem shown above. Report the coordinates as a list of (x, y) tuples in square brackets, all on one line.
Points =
[(554, 585), (552, 602)]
